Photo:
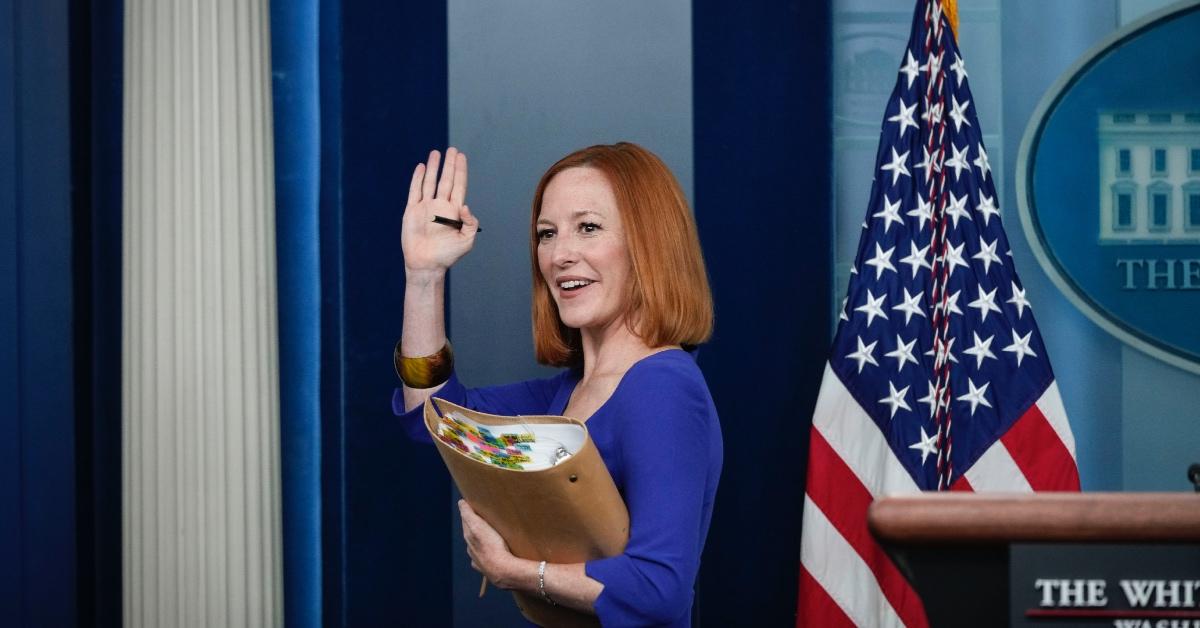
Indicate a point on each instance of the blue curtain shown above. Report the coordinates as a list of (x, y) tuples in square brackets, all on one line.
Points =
[(361, 503), (295, 77), (38, 533), (780, 52)]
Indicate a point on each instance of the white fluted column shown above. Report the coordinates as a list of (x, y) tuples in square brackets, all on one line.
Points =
[(201, 489)]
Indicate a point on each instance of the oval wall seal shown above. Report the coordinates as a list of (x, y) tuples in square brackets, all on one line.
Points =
[(1108, 184)]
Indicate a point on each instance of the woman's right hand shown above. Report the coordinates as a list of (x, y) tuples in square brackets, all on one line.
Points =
[(431, 248)]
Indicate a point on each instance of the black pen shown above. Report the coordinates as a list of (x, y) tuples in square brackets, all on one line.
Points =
[(450, 222)]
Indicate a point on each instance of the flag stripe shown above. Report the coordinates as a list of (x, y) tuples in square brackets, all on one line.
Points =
[(816, 607), (857, 440), (1052, 408), (962, 484), (838, 569), (1040, 455), (844, 500), (997, 471)]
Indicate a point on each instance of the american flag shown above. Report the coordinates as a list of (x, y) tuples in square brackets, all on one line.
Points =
[(937, 378)]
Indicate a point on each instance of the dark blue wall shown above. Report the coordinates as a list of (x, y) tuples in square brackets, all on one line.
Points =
[(96, 113), (394, 494), (10, 424), (37, 431), (762, 140)]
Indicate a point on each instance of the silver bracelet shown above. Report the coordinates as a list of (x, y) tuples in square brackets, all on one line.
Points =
[(542, 584)]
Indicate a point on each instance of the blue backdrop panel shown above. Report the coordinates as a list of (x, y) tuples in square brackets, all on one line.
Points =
[(762, 142), (297, 128), (37, 479), (96, 114), (396, 516), (10, 424)]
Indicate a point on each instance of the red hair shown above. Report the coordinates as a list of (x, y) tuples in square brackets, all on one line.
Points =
[(669, 301)]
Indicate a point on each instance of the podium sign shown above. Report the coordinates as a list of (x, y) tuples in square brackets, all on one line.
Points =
[(1104, 585), (1126, 560)]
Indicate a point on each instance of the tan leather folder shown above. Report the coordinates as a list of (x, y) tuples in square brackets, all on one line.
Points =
[(567, 513)]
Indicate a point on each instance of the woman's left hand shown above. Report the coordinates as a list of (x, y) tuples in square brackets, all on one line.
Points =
[(487, 549)]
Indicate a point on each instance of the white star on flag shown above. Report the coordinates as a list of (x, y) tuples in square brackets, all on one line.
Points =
[(933, 65), (933, 113), (864, 354), (902, 353), (905, 116), (958, 68), (981, 350), (958, 208), (928, 165), (897, 167), (930, 399), (917, 258), (927, 445), (910, 69), (958, 113), (981, 162), (882, 260), (890, 213), (895, 399), (954, 258), (922, 211), (1020, 346), (987, 254), (986, 208), (911, 305), (873, 307), (985, 303), (951, 306), (959, 163), (1018, 300), (976, 396), (943, 352)]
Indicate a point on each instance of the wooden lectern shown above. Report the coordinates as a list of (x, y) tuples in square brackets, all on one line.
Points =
[(957, 549)]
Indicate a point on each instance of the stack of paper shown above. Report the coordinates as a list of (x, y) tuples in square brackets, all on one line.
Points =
[(523, 447)]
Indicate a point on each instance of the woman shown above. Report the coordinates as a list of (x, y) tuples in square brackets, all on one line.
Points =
[(619, 290)]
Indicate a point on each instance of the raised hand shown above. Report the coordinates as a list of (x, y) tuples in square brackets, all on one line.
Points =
[(430, 247)]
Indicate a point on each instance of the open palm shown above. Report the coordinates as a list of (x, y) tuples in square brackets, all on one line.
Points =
[(429, 246)]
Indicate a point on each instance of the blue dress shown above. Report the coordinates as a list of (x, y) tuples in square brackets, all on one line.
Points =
[(660, 439)]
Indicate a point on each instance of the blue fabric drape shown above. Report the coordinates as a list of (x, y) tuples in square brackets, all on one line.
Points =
[(781, 52), (295, 81), (38, 487), (345, 83)]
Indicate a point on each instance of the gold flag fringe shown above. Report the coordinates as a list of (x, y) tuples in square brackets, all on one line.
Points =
[(950, 9)]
